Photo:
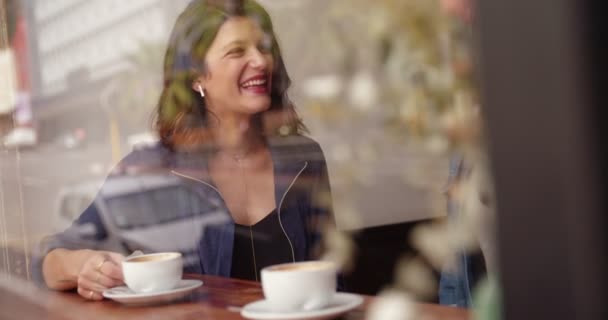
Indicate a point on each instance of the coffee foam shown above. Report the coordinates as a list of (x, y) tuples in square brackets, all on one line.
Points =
[(154, 257), (306, 266)]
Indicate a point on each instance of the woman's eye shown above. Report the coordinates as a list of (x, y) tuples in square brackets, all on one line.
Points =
[(265, 45), (265, 48), (236, 51)]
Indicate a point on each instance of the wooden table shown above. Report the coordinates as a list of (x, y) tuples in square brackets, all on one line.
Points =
[(218, 298)]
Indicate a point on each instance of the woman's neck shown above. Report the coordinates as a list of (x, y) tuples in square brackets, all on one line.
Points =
[(237, 137)]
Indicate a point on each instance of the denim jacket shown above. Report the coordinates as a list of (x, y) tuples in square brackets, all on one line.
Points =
[(301, 183), (455, 286), (301, 191)]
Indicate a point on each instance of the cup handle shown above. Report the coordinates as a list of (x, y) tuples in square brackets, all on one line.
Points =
[(135, 254)]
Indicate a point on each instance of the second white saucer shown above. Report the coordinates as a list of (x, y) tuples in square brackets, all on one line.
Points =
[(341, 303)]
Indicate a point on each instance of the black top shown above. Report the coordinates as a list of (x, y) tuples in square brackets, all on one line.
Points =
[(258, 246)]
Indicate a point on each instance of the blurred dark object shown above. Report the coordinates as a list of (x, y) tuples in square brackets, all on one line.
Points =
[(545, 109), (12, 8), (378, 251)]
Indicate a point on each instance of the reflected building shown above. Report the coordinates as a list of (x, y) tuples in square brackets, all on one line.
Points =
[(80, 45)]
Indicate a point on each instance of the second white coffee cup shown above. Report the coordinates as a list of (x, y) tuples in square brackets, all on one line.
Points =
[(152, 272), (300, 286)]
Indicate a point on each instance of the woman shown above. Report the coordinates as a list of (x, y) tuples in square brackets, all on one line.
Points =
[(227, 125)]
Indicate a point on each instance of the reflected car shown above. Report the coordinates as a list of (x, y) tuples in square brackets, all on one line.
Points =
[(148, 212), (73, 139), (23, 137), (142, 140)]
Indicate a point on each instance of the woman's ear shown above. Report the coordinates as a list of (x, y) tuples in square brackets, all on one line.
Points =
[(197, 85)]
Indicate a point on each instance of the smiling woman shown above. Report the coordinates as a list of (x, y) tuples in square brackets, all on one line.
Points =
[(238, 76), (222, 107), (227, 50)]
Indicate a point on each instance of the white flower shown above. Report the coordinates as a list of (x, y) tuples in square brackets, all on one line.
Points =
[(340, 248), (363, 91), (341, 153), (414, 276), (437, 144), (323, 87), (392, 305)]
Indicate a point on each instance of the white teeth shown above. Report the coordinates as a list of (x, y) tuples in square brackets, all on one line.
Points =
[(254, 83)]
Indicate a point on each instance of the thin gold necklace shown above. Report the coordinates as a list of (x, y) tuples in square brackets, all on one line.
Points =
[(238, 157)]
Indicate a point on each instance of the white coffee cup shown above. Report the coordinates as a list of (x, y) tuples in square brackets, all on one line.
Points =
[(300, 286), (153, 272)]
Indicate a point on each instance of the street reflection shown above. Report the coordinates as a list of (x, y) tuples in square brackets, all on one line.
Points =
[(93, 80), (152, 212)]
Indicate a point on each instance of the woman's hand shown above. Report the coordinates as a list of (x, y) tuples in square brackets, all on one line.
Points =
[(100, 271)]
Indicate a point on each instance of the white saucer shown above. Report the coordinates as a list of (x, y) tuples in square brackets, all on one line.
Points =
[(124, 295), (341, 303)]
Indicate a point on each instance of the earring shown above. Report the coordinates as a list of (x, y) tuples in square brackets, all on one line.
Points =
[(200, 88)]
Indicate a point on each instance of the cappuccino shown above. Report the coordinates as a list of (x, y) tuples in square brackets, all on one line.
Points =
[(154, 257), (153, 272), (300, 286), (313, 265)]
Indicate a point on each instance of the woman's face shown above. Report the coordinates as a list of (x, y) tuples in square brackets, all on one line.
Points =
[(239, 69)]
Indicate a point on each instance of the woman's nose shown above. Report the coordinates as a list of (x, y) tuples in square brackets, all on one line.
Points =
[(258, 59)]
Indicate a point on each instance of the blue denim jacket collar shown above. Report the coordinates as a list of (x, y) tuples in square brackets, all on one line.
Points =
[(194, 166)]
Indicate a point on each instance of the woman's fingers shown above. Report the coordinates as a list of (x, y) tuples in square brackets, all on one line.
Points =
[(112, 270), (89, 290), (115, 257), (102, 279), (91, 285), (100, 272), (89, 294), (108, 263)]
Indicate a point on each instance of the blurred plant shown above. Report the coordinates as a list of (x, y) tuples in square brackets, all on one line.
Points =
[(412, 62), (393, 305), (424, 64), (487, 300)]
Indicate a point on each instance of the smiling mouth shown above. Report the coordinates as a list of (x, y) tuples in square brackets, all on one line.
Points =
[(258, 85)]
